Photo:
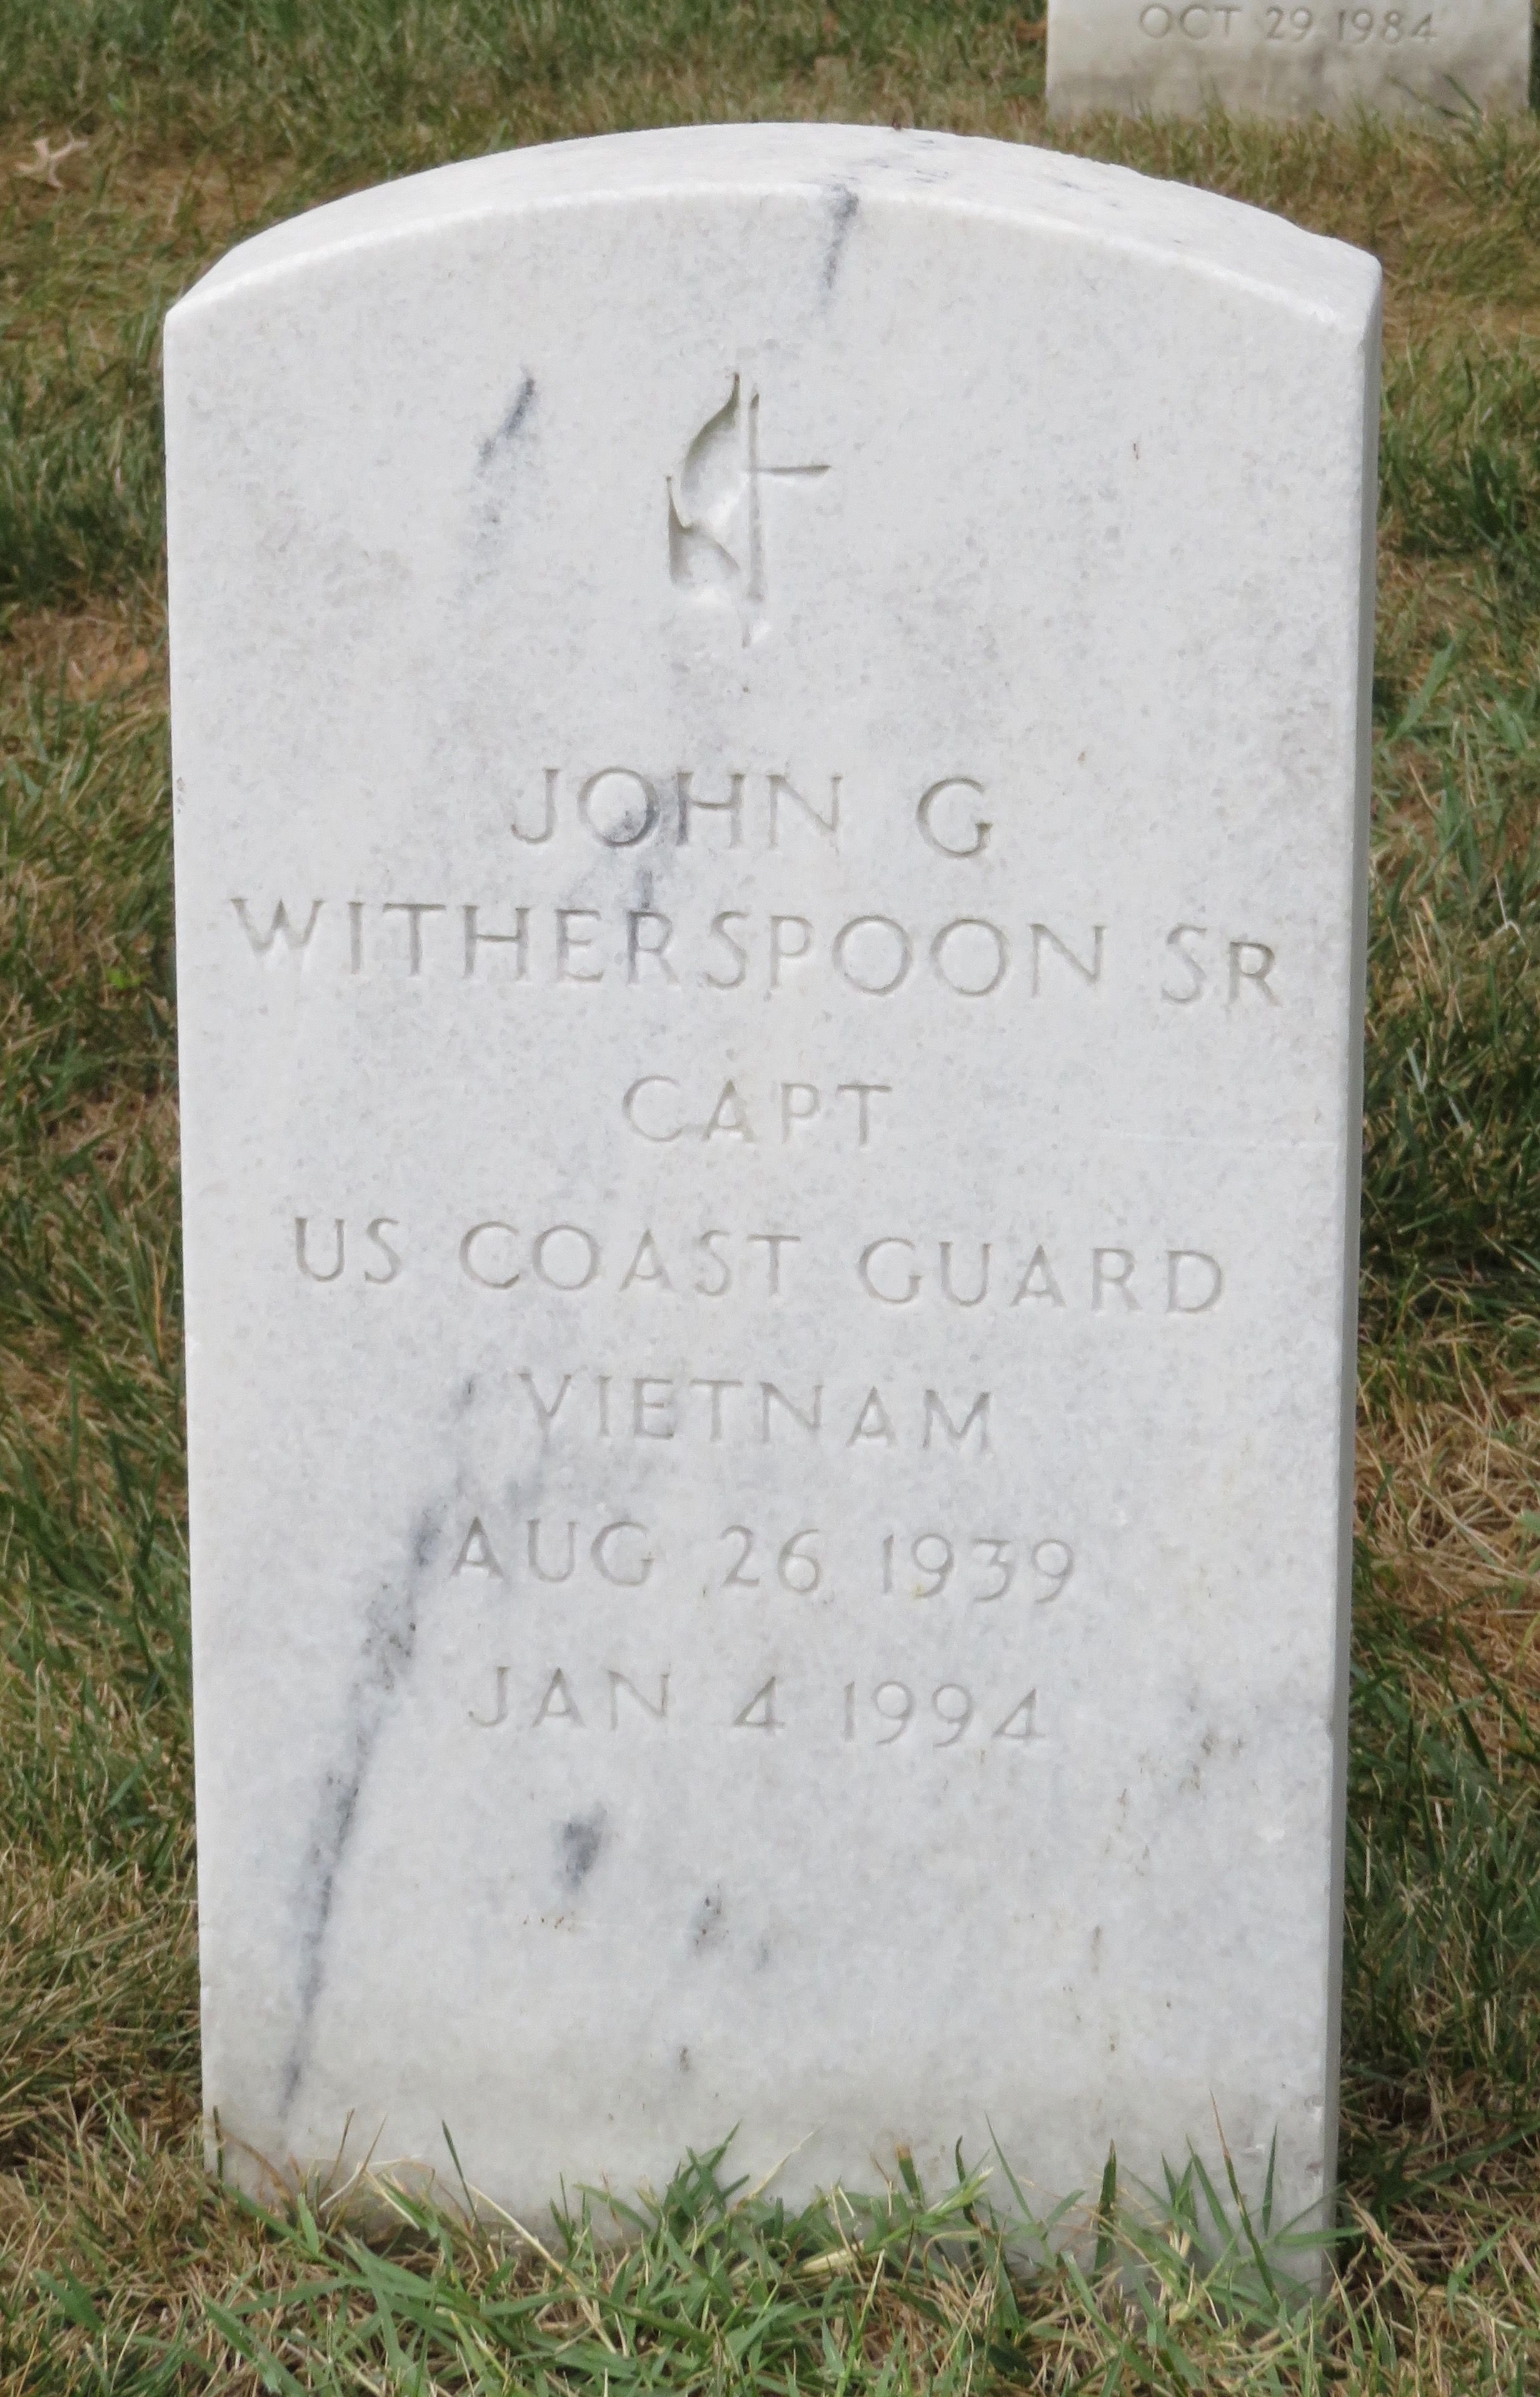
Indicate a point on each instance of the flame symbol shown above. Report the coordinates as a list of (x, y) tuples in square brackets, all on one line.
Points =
[(715, 514)]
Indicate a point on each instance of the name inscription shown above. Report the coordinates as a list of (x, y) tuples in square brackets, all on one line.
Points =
[(871, 951)]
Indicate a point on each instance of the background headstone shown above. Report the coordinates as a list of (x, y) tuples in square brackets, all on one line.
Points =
[(1437, 63), (770, 793)]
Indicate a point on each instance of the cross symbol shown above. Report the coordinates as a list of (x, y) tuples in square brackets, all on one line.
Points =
[(756, 474)]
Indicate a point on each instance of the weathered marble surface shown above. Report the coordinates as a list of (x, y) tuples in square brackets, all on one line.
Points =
[(770, 791), (1437, 63)]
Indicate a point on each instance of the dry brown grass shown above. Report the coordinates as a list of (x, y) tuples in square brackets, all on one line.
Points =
[(1449, 1501)]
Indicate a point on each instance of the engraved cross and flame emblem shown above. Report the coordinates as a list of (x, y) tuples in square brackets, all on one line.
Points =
[(716, 513)]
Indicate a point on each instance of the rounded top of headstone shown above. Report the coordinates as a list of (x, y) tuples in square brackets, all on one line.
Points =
[(862, 167)]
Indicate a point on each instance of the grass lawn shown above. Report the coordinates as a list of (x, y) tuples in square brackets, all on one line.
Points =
[(122, 2268)]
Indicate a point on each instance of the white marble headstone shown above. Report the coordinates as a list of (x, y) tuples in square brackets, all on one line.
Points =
[(769, 792), (1438, 63)]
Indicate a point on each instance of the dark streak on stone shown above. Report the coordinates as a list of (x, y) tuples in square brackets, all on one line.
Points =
[(390, 1642), (513, 424), (843, 204), (708, 1923), (580, 1842)]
